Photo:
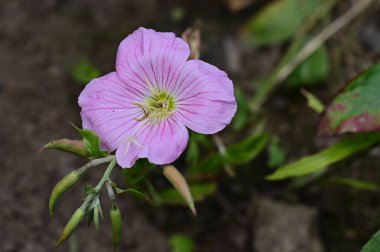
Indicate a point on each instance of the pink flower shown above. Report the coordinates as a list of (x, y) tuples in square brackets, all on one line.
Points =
[(142, 110)]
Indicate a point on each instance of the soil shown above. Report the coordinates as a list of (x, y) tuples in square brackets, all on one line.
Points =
[(38, 100)]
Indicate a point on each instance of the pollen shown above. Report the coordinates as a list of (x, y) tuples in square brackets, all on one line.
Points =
[(160, 105)]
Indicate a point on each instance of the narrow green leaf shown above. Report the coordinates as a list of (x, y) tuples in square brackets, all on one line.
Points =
[(243, 112), (343, 149), (275, 152), (72, 146), (373, 245), (313, 102), (245, 151), (354, 183), (356, 108), (193, 152), (135, 193), (199, 192), (181, 243)]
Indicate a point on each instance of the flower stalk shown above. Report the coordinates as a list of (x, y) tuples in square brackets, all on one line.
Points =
[(83, 209), (72, 178)]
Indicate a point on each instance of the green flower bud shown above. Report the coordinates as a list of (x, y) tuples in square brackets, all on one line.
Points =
[(72, 146), (62, 186), (115, 215), (71, 225)]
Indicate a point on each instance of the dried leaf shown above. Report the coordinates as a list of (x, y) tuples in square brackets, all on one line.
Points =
[(192, 36)]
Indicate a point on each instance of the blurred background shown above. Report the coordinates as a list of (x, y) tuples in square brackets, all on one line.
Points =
[(50, 48)]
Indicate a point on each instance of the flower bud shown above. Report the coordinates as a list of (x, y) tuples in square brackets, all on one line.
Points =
[(72, 146), (180, 184), (71, 225), (115, 215), (62, 186)]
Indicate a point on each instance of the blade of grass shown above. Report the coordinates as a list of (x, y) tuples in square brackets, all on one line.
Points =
[(345, 148)]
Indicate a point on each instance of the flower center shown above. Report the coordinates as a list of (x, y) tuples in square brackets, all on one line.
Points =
[(159, 106), (161, 102)]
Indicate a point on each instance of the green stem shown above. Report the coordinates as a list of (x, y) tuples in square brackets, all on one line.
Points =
[(93, 163), (111, 194), (106, 174), (99, 186)]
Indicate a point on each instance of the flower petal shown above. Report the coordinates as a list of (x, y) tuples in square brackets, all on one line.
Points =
[(161, 143), (147, 57), (205, 97), (108, 109)]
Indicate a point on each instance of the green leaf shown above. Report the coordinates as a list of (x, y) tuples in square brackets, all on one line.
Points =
[(193, 152), (83, 72), (203, 140), (310, 164), (313, 102), (356, 108), (279, 20), (181, 243), (245, 151), (138, 172), (275, 152), (72, 146), (92, 143), (243, 112), (210, 164), (354, 183), (177, 13), (199, 192), (314, 69), (373, 245), (89, 189), (135, 193), (239, 153)]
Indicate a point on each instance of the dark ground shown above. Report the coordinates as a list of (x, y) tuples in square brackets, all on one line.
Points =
[(39, 39)]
